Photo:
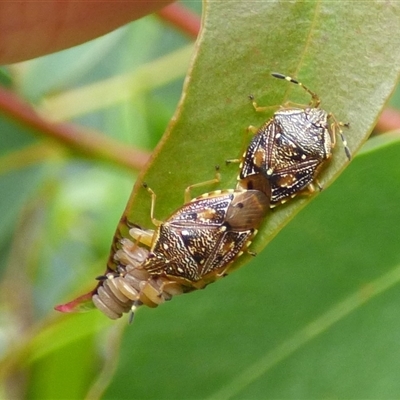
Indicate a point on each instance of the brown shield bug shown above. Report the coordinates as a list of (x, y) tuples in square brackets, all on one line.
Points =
[(290, 149), (198, 243), (195, 246)]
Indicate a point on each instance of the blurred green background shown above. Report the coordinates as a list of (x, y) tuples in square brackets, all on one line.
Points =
[(314, 315)]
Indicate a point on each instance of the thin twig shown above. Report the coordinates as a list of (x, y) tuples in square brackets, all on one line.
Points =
[(182, 18), (88, 143)]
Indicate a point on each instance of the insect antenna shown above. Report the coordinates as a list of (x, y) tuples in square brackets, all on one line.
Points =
[(315, 100)]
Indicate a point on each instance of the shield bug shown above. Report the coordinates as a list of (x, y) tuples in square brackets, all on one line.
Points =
[(195, 246), (290, 149), (126, 284), (198, 243)]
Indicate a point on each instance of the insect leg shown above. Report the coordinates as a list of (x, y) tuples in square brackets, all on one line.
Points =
[(188, 197)]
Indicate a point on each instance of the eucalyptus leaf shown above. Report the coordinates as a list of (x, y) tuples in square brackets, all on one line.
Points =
[(349, 59), (315, 315)]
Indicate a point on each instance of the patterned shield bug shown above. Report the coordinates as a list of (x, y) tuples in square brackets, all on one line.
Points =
[(195, 246), (198, 243), (290, 149), (126, 284)]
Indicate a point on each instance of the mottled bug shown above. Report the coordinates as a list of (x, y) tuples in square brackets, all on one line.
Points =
[(195, 246), (290, 148), (126, 285), (198, 243)]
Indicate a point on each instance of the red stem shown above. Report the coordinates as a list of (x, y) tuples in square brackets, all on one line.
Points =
[(181, 18), (87, 142)]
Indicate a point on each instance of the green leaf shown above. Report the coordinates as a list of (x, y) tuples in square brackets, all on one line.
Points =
[(305, 318), (315, 315), (352, 65)]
